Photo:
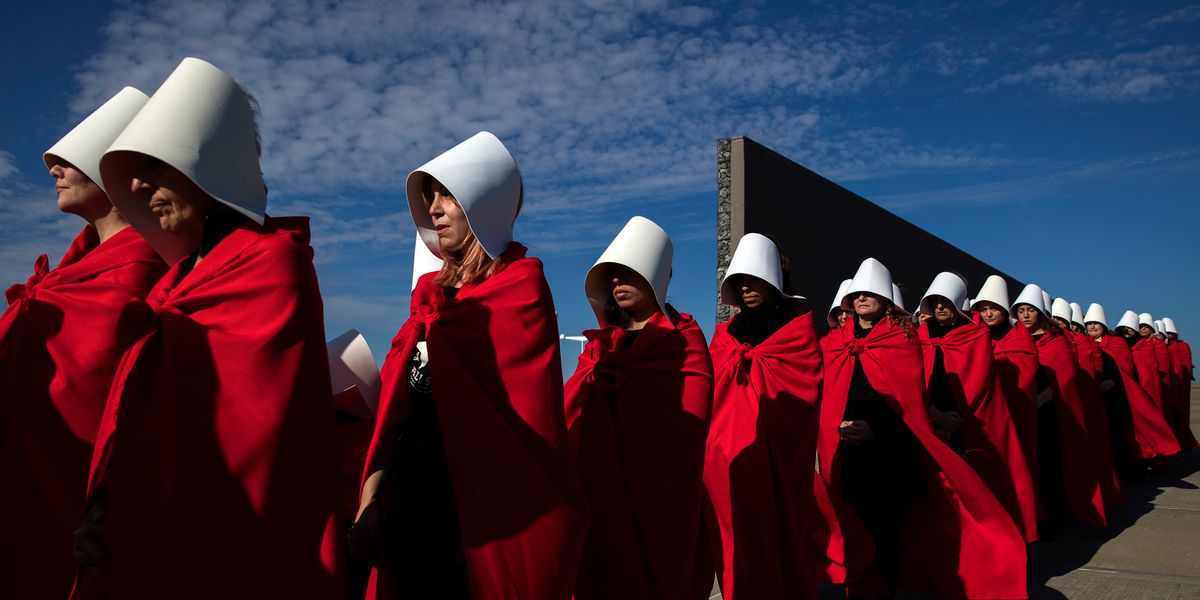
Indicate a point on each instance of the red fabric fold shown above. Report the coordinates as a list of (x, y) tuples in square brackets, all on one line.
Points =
[(1016, 367), (758, 464), (960, 542), (1091, 368), (60, 340), (1081, 481), (1181, 395), (1151, 431), (991, 444), (214, 457), (639, 417), (498, 393)]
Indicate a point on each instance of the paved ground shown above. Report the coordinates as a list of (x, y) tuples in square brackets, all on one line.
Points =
[(1150, 549)]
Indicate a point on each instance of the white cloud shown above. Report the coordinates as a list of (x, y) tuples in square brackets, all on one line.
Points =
[(1145, 76), (32, 224), (1187, 14), (8, 168)]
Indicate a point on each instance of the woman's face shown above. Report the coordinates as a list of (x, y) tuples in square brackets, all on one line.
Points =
[(632, 293), (1095, 330), (991, 313), (1127, 332), (176, 200), (1145, 331), (77, 193), (755, 292), (868, 306), (449, 220), (943, 311), (842, 317), (1029, 316)]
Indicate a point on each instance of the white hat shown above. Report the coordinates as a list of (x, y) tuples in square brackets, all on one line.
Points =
[(483, 177), (949, 286), (642, 246), (758, 256), (1076, 313), (1158, 327), (994, 290), (1046, 302), (1129, 319), (423, 261), (872, 277), (837, 302), (85, 144), (1061, 309), (351, 364), (1033, 296), (1169, 325), (1095, 314), (200, 122), (898, 301), (1145, 319)]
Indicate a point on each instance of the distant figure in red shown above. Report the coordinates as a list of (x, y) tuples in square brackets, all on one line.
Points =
[(762, 440), (638, 408), (1182, 354), (973, 420), (470, 489), (213, 471), (61, 337), (1068, 481), (909, 512)]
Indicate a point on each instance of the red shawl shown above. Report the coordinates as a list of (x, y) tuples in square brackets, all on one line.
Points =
[(60, 340), (1182, 396), (497, 389), (758, 465), (989, 437), (640, 416), (1091, 368), (1150, 429), (1185, 352), (959, 540), (1081, 481), (1145, 360), (214, 457), (1016, 366)]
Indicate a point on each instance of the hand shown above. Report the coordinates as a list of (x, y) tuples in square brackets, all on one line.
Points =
[(365, 537), (1046, 396), (945, 423), (855, 432), (89, 539)]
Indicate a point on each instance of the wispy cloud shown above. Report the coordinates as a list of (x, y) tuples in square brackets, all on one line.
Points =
[(1187, 14), (31, 222)]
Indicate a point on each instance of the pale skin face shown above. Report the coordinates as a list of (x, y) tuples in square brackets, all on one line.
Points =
[(992, 314), (1126, 332), (176, 200), (755, 292), (1030, 317), (449, 220), (842, 317), (943, 311), (77, 193), (1174, 337), (633, 295), (1095, 330), (868, 308), (1145, 331), (1062, 322)]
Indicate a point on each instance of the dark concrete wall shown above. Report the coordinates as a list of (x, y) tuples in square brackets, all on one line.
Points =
[(825, 229)]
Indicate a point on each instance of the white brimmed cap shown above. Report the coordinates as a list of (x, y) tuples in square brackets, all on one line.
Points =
[(423, 261), (483, 177), (643, 247), (83, 146), (1169, 325), (1145, 319), (1158, 327), (1129, 319), (351, 364), (1061, 309), (843, 287), (1076, 314), (872, 277), (949, 286), (1032, 295), (757, 256), (1095, 314), (200, 122), (994, 290)]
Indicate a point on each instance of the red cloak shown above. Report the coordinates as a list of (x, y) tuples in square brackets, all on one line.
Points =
[(1081, 482), (990, 441), (1091, 368), (497, 388), (1145, 360), (1016, 366), (1185, 351), (758, 464), (639, 417), (214, 456), (1182, 396), (959, 540), (60, 339), (1150, 429)]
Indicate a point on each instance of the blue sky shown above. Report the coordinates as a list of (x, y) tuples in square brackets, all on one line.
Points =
[(1059, 142)]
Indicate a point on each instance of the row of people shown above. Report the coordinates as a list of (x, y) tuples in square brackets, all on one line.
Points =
[(167, 384)]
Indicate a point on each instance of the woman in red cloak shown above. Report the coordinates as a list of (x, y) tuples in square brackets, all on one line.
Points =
[(637, 409), (470, 490), (1067, 477), (212, 474), (973, 420), (1139, 431), (61, 337), (762, 440), (911, 513), (1181, 355)]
